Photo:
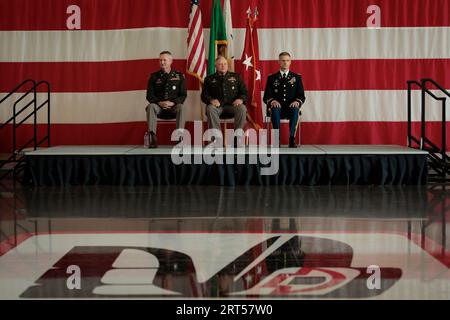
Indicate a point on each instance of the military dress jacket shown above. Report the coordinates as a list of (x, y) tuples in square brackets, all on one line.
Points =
[(226, 88), (166, 87), (284, 90)]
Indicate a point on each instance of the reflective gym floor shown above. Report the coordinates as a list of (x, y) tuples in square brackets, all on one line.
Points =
[(297, 242)]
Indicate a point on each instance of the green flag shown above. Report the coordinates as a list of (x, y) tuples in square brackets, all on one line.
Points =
[(217, 37)]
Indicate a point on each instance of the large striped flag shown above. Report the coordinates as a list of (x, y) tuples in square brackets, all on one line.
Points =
[(354, 76), (196, 57)]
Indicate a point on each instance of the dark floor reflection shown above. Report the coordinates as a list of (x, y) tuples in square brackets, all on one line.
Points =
[(210, 201)]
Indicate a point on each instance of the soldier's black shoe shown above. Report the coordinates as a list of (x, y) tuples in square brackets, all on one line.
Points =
[(153, 141), (292, 143)]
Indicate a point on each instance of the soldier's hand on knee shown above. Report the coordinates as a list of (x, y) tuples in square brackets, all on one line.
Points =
[(164, 104), (295, 104), (237, 102), (275, 104), (215, 103)]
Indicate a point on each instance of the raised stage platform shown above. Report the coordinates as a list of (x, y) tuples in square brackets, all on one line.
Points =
[(307, 165)]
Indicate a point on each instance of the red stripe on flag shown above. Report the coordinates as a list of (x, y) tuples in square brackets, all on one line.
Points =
[(390, 74), (125, 14)]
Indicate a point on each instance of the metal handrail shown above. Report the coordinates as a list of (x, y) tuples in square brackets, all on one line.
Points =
[(437, 85), (15, 125), (17, 88), (32, 89), (425, 140), (439, 160), (38, 143), (411, 138)]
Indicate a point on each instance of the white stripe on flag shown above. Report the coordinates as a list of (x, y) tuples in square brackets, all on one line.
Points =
[(321, 106), (308, 43)]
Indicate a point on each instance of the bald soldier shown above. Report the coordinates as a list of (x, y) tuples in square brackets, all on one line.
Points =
[(224, 93)]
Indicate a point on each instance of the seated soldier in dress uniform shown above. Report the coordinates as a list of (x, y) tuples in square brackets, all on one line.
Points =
[(284, 95), (224, 92), (166, 92)]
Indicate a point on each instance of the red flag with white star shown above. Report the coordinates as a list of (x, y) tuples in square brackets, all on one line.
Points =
[(250, 71)]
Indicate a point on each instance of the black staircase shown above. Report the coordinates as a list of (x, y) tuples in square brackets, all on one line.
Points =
[(438, 159), (14, 162)]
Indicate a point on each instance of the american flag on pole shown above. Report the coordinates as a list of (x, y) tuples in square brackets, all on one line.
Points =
[(196, 59)]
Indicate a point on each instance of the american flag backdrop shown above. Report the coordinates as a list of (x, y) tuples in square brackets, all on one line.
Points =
[(196, 56), (354, 76)]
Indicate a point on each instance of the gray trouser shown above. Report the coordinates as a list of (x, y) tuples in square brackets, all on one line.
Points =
[(239, 113), (154, 112)]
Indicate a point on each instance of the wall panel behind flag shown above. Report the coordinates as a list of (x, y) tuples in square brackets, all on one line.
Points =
[(354, 77)]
